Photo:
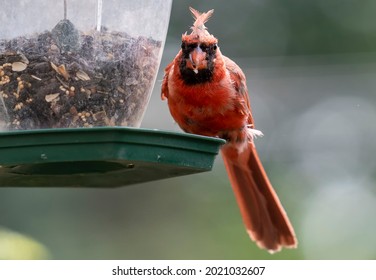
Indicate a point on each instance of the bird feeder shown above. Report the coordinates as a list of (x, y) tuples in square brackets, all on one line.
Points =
[(75, 80)]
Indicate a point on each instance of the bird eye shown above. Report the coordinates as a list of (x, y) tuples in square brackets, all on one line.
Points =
[(188, 47), (192, 46)]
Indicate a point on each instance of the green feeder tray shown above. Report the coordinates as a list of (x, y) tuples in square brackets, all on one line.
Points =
[(101, 156)]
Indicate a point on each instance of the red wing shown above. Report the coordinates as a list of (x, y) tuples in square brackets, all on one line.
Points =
[(164, 90), (239, 81)]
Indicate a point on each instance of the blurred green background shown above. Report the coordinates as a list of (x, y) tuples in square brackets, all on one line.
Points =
[(311, 71)]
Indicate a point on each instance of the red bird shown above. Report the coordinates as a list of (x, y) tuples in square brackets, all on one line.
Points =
[(207, 95)]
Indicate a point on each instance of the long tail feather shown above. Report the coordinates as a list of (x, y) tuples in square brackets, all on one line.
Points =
[(263, 215)]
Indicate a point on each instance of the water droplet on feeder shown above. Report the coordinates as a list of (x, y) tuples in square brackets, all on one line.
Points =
[(66, 36)]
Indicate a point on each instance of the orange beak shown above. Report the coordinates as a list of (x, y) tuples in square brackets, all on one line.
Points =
[(197, 60)]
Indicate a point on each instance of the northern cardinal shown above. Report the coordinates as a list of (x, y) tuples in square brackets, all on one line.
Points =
[(207, 95)]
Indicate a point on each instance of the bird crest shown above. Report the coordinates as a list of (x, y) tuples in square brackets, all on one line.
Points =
[(200, 20), (199, 30)]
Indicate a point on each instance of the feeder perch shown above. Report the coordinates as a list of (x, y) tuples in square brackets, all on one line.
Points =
[(101, 157), (74, 86)]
